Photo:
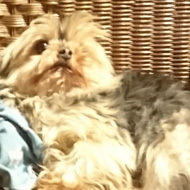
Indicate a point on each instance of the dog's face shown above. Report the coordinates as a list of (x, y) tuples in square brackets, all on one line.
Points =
[(55, 55)]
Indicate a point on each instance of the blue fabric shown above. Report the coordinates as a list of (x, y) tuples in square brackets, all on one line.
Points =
[(20, 150)]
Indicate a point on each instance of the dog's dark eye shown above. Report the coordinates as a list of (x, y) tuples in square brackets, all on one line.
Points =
[(41, 46)]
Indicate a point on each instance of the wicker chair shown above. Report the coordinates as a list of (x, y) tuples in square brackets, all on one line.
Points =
[(147, 35)]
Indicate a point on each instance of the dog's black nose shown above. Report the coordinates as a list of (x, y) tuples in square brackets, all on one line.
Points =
[(65, 53)]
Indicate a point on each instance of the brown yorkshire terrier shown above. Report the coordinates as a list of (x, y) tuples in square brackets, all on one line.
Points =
[(102, 131)]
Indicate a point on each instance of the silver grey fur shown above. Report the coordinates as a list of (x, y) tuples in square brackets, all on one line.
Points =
[(146, 100)]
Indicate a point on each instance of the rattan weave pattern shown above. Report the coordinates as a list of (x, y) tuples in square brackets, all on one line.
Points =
[(146, 35)]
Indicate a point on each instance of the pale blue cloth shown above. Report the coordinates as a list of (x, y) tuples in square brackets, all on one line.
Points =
[(20, 150)]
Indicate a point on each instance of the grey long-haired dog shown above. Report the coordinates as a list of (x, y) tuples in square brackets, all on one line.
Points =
[(102, 131)]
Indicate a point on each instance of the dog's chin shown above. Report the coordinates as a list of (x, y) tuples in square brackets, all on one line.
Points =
[(56, 79), (61, 79)]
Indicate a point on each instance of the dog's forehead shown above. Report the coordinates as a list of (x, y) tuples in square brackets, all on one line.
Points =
[(48, 24), (45, 19)]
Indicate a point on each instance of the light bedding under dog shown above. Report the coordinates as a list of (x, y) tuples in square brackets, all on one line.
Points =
[(20, 150)]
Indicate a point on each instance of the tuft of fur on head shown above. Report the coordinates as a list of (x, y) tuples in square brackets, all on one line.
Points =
[(35, 65)]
